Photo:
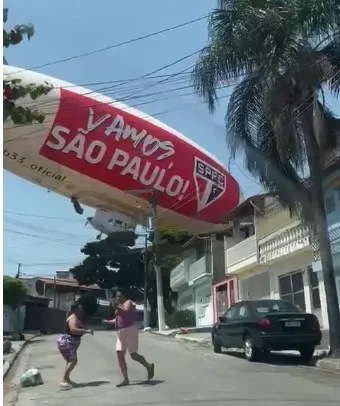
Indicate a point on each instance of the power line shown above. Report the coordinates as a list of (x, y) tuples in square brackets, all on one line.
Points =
[(174, 27), (26, 136), (42, 217), (111, 102)]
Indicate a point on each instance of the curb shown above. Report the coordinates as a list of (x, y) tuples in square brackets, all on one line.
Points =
[(163, 334), (12, 358), (329, 365), (191, 339)]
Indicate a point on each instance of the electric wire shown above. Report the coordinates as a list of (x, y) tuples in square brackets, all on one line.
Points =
[(85, 54)]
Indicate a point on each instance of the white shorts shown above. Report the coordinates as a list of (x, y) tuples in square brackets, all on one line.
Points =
[(127, 339)]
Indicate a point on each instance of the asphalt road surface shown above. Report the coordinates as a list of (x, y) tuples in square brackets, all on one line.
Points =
[(185, 374)]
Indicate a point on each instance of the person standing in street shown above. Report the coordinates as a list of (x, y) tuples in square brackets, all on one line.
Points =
[(127, 337), (69, 342)]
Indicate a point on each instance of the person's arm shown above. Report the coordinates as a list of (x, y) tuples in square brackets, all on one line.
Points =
[(74, 329), (112, 321)]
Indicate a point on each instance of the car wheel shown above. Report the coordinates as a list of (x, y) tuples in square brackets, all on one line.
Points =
[(216, 344), (250, 352), (307, 352)]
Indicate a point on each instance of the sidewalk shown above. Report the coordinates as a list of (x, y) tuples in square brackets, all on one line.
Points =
[(17, 347), (196, 335), (203, 335)]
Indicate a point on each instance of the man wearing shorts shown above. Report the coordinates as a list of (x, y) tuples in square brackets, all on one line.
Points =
[(127, 337)]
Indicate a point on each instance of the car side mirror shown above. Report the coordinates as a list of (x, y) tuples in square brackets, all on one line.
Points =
[(222, 319)]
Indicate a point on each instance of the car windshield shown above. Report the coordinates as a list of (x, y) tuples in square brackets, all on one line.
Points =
[(272, 306)]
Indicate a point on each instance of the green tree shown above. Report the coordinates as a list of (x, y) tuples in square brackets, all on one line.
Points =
[(13, 89), (284, 55), (14, 291)]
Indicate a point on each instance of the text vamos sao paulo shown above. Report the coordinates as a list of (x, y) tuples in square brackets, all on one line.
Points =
[(141, 170)]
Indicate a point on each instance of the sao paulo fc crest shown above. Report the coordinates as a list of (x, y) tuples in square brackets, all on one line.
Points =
[(210, 184)]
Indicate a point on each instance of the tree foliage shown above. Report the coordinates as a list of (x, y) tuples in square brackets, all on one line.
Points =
[(14, 291), (283, 55), (12, 88), (116, 262)]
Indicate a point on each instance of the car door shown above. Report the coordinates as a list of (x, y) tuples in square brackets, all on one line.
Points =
[(240, 324), (226, 326)]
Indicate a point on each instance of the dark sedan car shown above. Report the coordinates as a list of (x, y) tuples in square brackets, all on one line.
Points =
[(259, 326)]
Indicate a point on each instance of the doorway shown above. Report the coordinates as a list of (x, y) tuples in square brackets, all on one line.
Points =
[(224, 295)]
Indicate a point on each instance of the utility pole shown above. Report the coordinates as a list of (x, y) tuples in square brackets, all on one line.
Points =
[(17, 276), (145, 306), (159, 287)]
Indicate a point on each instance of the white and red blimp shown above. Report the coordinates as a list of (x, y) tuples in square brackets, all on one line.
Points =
[(96, 150)]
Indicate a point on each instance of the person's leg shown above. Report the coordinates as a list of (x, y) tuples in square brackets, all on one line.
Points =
[(123, 369), (68, 369), (120, 351), (132, 343), (71, 362)]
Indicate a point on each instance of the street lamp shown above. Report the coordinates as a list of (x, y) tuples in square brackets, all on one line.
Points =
[(159, 287)]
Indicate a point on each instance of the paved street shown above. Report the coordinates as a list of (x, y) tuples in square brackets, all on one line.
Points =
[(186, 373)]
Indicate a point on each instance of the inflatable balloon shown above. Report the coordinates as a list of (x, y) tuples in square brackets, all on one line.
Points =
[(96, 151)]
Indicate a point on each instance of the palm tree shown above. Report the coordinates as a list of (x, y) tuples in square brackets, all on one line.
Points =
[(284, 54)]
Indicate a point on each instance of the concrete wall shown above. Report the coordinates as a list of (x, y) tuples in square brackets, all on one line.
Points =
[(299, 261), (204, 304), (186, 298), (13, 320), (272, 220)]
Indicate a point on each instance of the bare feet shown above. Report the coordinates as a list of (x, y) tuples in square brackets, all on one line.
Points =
[(124, 383), (151, 371)]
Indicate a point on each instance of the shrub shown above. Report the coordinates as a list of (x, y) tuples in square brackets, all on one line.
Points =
[(181, 318), (14, 291)]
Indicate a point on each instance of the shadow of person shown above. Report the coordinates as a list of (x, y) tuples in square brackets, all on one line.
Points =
[(153, 382), (91, 384)]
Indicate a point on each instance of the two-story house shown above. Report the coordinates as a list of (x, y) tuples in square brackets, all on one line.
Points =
[(240, 254), (274, 259), (332, 205), (203, 260)]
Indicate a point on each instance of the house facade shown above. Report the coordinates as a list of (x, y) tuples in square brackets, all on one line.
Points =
[(195, 278), (62, 290), (265, 253), (332, 205)]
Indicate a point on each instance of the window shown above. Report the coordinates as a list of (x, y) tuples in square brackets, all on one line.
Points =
[(291, 288), (243, 312), (330, 204), (271, 306), (314, 288), (231, 313)]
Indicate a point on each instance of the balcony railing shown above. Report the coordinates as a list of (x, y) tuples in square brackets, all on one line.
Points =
[(178, 275), (242, 251), (198, 269)]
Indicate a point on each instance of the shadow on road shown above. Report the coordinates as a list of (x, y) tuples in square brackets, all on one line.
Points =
[(277, 359), (91, 384), (153, 382)]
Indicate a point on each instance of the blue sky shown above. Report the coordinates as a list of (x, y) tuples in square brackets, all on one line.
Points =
[(66, 28)]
